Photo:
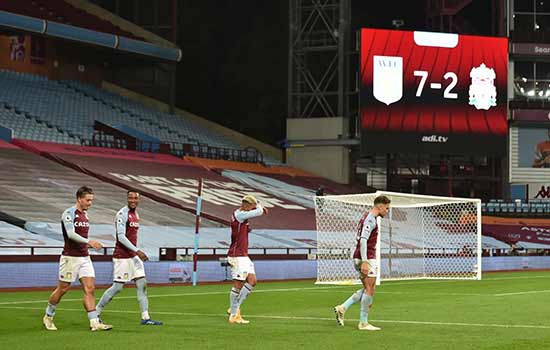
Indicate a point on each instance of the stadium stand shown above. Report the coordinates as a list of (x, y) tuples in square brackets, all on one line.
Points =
[(213, 240), (173, 181), (165, 126), (286, 182), (43, 118), (528, 233), (65, 111), (532, 208), (25, 124), (35, 189)]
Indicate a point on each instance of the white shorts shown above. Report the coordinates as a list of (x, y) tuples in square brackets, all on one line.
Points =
[(71, 267), (241, 267), (125, 270), (371, 263)]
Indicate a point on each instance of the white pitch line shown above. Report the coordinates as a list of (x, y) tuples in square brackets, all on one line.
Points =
[(411, 293), (310, 318), (515, 278), (438, 294), (522, 293), (462, 324), (399, 283)]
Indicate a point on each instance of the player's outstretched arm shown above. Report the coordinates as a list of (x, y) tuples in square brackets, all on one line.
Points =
[(241, 215)]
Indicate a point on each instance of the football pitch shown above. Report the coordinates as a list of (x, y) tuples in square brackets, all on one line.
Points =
[(502, 311)]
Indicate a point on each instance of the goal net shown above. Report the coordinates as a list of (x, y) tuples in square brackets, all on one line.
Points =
[(422, 237)]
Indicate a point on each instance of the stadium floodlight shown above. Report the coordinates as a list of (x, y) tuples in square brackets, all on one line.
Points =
[(422, 237)]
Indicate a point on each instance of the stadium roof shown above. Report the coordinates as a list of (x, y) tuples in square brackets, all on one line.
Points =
[(87, 36)]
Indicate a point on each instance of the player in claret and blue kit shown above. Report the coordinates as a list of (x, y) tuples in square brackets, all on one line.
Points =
[(364, 259), (75, 261), (128, 259), (242, 268)]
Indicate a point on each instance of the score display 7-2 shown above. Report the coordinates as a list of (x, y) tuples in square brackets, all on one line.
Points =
[(423, 86), (448, 90)]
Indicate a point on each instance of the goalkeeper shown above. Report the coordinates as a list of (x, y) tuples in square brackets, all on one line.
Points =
[(364, 259)]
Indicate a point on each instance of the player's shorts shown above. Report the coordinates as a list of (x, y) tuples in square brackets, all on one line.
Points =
[(241, 267), (371, 263), (125, 270), (71, 267)]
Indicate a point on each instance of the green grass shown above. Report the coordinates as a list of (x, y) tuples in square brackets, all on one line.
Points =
[(298, 315)]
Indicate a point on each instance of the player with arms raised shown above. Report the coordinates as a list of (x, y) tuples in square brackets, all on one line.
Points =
[(75, 261), (364, 259), (242, 268), (128, 259)]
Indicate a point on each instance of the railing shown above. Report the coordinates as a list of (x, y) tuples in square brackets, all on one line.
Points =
[(34, 250), (249, 154), (534, 208), (175, 253), (109, 137), (262, 250), (183, 253)]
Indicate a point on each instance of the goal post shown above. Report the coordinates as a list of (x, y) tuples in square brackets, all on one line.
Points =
[(422, 237)]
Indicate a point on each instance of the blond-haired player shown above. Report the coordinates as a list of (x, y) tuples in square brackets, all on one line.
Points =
[(242, 268)]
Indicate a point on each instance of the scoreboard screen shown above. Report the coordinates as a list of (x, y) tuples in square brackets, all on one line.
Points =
[(436, 93)]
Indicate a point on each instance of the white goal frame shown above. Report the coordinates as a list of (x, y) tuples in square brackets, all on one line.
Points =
[(353, 206)]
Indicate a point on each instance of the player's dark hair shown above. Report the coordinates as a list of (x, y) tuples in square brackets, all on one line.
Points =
[(83, 191), (133, 190), (381, 200)]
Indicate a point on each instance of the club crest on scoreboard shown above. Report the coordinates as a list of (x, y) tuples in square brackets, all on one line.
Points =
[(387, 78), (483, 93)]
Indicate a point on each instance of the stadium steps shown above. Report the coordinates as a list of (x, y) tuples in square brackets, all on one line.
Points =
[(33, 188), (167, 127), (65, 112), (27, 126), (122, 109)]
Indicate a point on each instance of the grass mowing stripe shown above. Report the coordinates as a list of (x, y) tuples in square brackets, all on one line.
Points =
[(183, 294), (310, 289), (309, 318)]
